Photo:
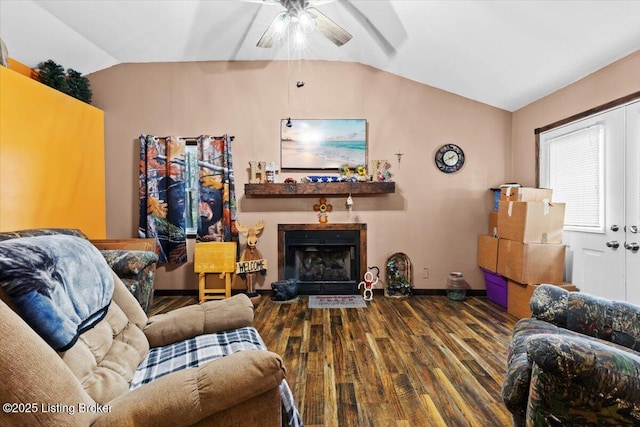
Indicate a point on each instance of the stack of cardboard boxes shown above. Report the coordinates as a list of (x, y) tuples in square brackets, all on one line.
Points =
[(488, 258), (523, 248)]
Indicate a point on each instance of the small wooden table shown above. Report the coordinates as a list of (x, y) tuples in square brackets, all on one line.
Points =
[(214, 258), (127, 244)]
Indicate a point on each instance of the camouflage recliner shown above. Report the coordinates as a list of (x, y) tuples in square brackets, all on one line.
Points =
[(575, 362), (136, 269)]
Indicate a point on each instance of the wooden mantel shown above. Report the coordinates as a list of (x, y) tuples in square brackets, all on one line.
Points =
[(318, 188)]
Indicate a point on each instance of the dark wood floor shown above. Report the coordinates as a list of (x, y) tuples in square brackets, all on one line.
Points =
[(423, 361)]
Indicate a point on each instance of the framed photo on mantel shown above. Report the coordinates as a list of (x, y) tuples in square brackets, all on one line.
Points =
[(323, 143)]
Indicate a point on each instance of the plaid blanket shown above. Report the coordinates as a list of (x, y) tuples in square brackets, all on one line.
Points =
[(197, 351)]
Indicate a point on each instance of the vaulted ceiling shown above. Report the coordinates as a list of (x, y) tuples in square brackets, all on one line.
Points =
[(503, 53)]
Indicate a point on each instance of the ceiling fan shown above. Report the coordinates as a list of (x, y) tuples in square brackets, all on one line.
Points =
[(301, 18)]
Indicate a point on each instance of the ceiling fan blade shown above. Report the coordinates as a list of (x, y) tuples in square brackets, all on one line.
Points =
[(245, 33), (380, 19), (328, 28), (274, 31)]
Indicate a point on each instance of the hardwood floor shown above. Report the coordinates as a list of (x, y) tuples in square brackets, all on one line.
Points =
[(423, 361)]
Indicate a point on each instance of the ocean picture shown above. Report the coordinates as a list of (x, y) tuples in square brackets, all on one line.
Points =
[(323, 143)]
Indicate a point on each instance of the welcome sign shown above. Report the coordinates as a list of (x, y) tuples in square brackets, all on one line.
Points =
[(251, 266)]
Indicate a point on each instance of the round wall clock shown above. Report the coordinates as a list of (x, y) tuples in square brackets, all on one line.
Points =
[(449, 158)]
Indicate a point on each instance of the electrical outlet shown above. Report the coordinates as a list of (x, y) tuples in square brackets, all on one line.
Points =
[(425, 272)]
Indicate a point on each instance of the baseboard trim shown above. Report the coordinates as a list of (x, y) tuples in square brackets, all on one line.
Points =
[(174, 292), (470, 292), (434, 292)]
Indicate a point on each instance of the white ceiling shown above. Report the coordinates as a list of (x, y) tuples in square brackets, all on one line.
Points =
[(502, 53)]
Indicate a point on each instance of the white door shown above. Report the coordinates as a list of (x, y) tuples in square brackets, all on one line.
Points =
[(595, 246), (632, 237)]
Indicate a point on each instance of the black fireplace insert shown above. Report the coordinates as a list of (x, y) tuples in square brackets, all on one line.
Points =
[(324, 261)]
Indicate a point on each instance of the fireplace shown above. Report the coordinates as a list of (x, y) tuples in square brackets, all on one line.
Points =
[(325, 258)]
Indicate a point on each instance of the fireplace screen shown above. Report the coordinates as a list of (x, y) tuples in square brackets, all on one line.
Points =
[(326, 264), (323, 261)]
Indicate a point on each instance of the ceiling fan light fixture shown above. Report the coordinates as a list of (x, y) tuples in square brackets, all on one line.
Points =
[(297, 21), (306, 22), (299, 37), (280, 25)]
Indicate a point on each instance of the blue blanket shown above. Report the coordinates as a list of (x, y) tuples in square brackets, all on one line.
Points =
[(61, 285)]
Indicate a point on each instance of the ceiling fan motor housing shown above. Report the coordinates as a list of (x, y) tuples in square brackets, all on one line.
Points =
[(294, 7), (307, 18)]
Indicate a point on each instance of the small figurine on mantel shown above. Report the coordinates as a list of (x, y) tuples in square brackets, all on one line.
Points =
[(272, 170), (251, 261), (257, 172), (381, 171), (361, 173)]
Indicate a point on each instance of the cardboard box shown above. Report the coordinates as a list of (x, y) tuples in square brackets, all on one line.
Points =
[(519, 295), (525, 194), (493, 224), (531, 262), (488, 252), (531, 222)]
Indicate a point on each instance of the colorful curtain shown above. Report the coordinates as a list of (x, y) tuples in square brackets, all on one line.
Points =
[(167, 203), (217, 190)]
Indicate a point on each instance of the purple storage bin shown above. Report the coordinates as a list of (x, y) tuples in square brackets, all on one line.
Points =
[(496, 287)]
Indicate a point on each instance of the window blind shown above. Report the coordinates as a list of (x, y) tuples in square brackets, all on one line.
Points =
[(575, 172)]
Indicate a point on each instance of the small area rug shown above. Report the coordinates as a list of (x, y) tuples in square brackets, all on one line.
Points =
[(336, 301)]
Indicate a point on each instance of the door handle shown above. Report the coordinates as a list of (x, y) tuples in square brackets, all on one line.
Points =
[(633, 229), (633, 246), (613, 244), (615, 228)]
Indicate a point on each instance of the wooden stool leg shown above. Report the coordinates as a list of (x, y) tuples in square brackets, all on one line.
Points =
[(201, 286), (227, 285)]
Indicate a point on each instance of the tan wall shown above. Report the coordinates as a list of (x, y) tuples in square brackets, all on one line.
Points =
[(434, 218), (612, 82)]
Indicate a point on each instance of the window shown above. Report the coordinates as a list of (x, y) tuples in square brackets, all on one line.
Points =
[(572, 164), (191, 189)]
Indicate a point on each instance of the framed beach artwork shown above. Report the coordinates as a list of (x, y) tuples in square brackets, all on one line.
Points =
[(323, 143)]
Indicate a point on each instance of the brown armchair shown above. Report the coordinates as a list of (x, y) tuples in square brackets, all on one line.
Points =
[(103, 378)]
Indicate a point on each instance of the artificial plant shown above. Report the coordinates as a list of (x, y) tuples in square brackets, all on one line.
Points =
[(72, 82), (52, 74), (78, 86)]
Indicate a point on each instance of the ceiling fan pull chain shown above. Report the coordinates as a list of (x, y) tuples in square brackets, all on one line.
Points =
[(288, 73)]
